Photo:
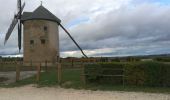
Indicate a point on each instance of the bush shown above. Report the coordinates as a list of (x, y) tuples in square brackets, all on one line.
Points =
[(92, 72), (145, 73), (148, 74), (153, 72), (112, 69), (166, 75), (135, 73), (104, 72), (162, 59)]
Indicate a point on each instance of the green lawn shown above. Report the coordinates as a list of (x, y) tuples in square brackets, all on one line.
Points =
[(71, 79)]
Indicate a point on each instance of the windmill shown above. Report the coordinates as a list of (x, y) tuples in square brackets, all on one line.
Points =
[(40, 26), (17, 19)]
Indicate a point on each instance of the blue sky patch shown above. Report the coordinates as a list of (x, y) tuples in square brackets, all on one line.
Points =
[(162, 2), (77, 21)]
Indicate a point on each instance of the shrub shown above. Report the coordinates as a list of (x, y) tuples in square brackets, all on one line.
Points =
[(153, 73), (92, 72), (147, 74), (112, 69), (166, 75), (98, 72), (135, 73)]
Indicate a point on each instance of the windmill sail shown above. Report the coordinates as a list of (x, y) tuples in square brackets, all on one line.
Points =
[(11, 28), (13, 24), (73, 40)]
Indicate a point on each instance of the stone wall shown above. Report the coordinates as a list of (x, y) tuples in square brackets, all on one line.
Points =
[(41, 41)]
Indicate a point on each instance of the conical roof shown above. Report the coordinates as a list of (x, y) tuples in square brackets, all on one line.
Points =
[(41, 13)]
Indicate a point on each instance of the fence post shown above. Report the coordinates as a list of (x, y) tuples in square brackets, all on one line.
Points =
[(83, 77), (59, 72), (72, 63), (2, 66), (18, 71), (123, 76), (31, 65), (45, 65), (38, 72)]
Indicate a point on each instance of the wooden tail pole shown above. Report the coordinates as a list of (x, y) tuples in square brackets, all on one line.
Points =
[(18, 72), (73, 40)]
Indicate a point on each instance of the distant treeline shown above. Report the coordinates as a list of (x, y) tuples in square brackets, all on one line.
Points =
[(134, 59), (11, 58), (166, 59), (106, 59)]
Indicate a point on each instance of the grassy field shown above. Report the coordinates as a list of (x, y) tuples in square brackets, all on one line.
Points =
[(71, 79)]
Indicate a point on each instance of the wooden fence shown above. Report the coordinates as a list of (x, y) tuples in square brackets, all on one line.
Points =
[(18, 67)]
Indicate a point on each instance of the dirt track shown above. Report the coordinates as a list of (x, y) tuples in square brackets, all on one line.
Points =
[(11, 76), (33, 93)]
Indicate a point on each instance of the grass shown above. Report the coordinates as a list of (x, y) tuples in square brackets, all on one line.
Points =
[(19, 83), (71, 79), (128, 88)]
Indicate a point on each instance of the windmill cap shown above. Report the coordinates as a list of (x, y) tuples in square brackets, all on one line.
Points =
[(41, 13)]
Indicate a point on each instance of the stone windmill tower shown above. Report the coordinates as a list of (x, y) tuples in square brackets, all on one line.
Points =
[(40, 33), (41, 36)]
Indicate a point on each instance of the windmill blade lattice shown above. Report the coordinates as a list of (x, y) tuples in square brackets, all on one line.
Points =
[(20, 11), (19, 5)]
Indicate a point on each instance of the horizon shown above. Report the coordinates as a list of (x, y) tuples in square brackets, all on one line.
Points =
[(21, 56)]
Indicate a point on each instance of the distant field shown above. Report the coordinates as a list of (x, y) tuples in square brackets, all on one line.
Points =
[(7, 66), (12, 66)]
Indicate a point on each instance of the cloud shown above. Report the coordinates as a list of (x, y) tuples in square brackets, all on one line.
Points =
[(103, 28)]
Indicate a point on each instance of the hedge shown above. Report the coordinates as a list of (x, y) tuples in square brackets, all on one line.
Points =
[(134, 73), (104, 72)]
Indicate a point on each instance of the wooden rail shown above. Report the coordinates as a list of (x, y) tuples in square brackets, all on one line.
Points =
[(122, 76)]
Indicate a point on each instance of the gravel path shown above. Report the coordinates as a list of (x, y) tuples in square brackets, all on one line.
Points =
[(32, 93), (12, 76)]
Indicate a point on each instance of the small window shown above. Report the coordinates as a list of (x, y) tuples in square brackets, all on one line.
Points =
[(45, 28), (31, 42), (42, 41)]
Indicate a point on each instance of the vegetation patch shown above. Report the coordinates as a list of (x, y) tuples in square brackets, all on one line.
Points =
[(152, 74), (71, 78), (3, 79)]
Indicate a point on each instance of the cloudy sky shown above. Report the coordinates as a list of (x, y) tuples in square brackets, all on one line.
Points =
[(101, 27)]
